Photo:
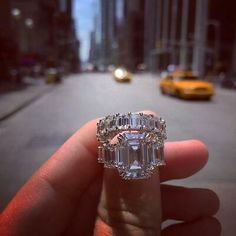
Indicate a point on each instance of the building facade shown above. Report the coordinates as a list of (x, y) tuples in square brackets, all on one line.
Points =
[(118, 32), (45, 33), (176, 34), (8, 43), (196, 34)]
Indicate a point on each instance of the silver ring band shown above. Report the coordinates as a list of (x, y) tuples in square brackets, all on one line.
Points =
[(133, 143)]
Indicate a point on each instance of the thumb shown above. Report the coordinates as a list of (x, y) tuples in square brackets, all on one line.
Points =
[(129, 207)]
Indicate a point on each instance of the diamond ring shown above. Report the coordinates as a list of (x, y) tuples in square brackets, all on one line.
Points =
[(133, 143)]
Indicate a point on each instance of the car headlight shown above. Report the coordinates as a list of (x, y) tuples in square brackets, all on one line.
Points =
[(120, 73)]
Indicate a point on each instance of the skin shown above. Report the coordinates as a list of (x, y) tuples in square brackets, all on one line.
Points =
[(71, 194)]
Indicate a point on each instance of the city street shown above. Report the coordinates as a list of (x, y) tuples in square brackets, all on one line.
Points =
[(30, 136)]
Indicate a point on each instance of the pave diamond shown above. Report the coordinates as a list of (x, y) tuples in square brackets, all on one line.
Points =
[(157, 155), (101, 154), (111, 125), (135, 121), (109, 160)]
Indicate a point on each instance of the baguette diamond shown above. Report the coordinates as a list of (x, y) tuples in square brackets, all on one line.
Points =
[(133, 143)]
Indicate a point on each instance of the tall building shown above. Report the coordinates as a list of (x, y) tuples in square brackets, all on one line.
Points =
[(222, 34), (107, 30), (177, 34), (8, 45), (92, 48), (45, 32), (133, 32), (119, 33), (196, 34), (67, 42), (152, 31)]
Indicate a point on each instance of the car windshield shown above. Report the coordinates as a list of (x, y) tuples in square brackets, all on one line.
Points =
[(183, 78)]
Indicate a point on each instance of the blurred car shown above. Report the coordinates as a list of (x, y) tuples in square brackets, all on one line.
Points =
[(122, 75), (141, 67), (53, 76), (184, 84), (110, 68), (229, 83)]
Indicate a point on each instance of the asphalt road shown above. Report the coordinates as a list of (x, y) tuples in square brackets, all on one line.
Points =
[(33, 134)]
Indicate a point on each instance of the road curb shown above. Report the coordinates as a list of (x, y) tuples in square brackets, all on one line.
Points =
[(23, 104)]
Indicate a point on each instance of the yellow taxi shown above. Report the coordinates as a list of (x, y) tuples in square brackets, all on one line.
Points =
[(185, 84), (121, 74)]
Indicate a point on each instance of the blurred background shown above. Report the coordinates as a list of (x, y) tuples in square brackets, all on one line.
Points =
[(63, 62), (78, 35)]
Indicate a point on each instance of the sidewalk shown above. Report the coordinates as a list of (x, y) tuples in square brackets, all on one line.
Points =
[(13, 101)]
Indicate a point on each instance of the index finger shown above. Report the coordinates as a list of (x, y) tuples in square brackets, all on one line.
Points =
[(53, 193), (74, 166)]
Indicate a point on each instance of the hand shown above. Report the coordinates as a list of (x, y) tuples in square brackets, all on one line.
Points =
[(65, 196)]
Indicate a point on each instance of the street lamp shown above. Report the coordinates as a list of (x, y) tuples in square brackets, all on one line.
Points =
[(115, 47), (16, 13), (29, 23), (216, 25)]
